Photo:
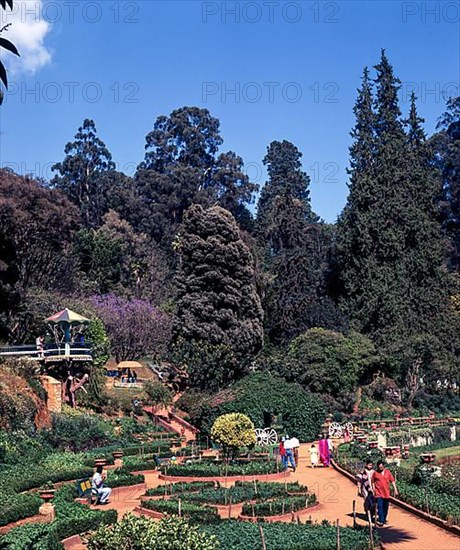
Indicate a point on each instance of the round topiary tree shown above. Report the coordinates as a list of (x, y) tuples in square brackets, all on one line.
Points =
[(233, 431)]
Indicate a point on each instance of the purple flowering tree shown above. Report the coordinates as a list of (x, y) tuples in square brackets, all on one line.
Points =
[(135, 327)]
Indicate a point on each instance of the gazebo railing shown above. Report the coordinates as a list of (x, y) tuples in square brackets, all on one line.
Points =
[(52, 350)]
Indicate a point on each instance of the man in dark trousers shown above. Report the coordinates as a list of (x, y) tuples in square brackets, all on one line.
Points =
[(381, 480)]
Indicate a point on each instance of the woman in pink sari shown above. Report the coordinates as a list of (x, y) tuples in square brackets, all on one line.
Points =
[(324, 454)]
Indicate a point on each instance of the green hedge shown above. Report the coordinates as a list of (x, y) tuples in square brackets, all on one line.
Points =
[(71, 518), (265, 488), (219, 470), (243, 492), (123, 478), (195, 512), (179, 488), (14, 507), (239, 535), (298, 411), (35, 536), (279, 506)]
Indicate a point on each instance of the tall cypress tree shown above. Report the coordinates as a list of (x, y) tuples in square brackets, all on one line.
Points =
[(388, 237), (446, 143), (218, 324), (294, 246), (423, 232)]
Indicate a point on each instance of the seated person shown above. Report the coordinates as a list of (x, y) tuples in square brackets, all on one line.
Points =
[(103, 492)]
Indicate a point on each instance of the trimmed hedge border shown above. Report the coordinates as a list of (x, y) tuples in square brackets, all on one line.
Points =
[(223, 479), (283, 517)]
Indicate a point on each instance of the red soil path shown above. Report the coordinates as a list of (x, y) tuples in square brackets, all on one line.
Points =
[(335, 494)]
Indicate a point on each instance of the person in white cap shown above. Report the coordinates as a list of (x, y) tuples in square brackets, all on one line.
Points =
[(289, 452), (295, 449)]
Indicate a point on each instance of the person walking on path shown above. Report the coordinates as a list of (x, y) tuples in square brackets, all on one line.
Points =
[(313, 456), (330, 444), (381, 480), (282, 453), (324, 454), (295, 449), (288, 445), (365, 489)]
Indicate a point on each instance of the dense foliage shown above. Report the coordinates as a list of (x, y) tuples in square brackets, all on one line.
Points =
[(239, 535), (175, 265), (140, 533), (218, 307), (266, 400)]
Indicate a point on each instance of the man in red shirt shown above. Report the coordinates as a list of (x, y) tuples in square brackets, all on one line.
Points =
[(381, 480)]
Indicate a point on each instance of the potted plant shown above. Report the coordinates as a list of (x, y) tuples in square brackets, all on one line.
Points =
[(116, 455), (427, 458), (100, 462), (47, 491)]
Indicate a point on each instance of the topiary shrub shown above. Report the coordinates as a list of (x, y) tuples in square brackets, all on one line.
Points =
[(233, 431)]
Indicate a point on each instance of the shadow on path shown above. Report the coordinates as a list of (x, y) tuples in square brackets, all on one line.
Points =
[(394, 535)]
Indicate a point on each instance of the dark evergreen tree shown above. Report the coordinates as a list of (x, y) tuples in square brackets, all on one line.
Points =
[(294, 247), (446, 143), (218, 326), (388, 237), (82, 173), (181, 168), (285, 174)]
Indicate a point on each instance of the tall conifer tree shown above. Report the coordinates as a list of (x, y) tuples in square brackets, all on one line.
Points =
[(388, 237), (295, 248)]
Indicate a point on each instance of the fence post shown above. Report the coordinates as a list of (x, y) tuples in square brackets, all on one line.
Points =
[(371, 532), (264, 546), (338, 535), (354, 514)]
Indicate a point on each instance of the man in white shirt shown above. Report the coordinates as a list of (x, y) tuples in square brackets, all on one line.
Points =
[(103, 492), (288, 445)]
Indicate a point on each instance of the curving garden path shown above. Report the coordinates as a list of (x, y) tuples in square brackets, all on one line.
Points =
[(335, 494)]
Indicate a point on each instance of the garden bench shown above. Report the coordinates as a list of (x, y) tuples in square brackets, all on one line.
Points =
[(85, 490)]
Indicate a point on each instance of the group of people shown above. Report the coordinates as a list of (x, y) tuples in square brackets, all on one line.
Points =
[(323, 453), (127, 375), (289, 452), (374, 488)]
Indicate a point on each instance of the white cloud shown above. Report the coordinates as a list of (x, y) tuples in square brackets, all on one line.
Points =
[(28, 31)]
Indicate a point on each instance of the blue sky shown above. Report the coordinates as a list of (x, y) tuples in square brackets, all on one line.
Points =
[(293, 68)]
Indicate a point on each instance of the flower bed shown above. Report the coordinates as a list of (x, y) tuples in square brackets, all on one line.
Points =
[(279, 506), (239, 535), (445, 506), (243, 492), (195, 512)]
